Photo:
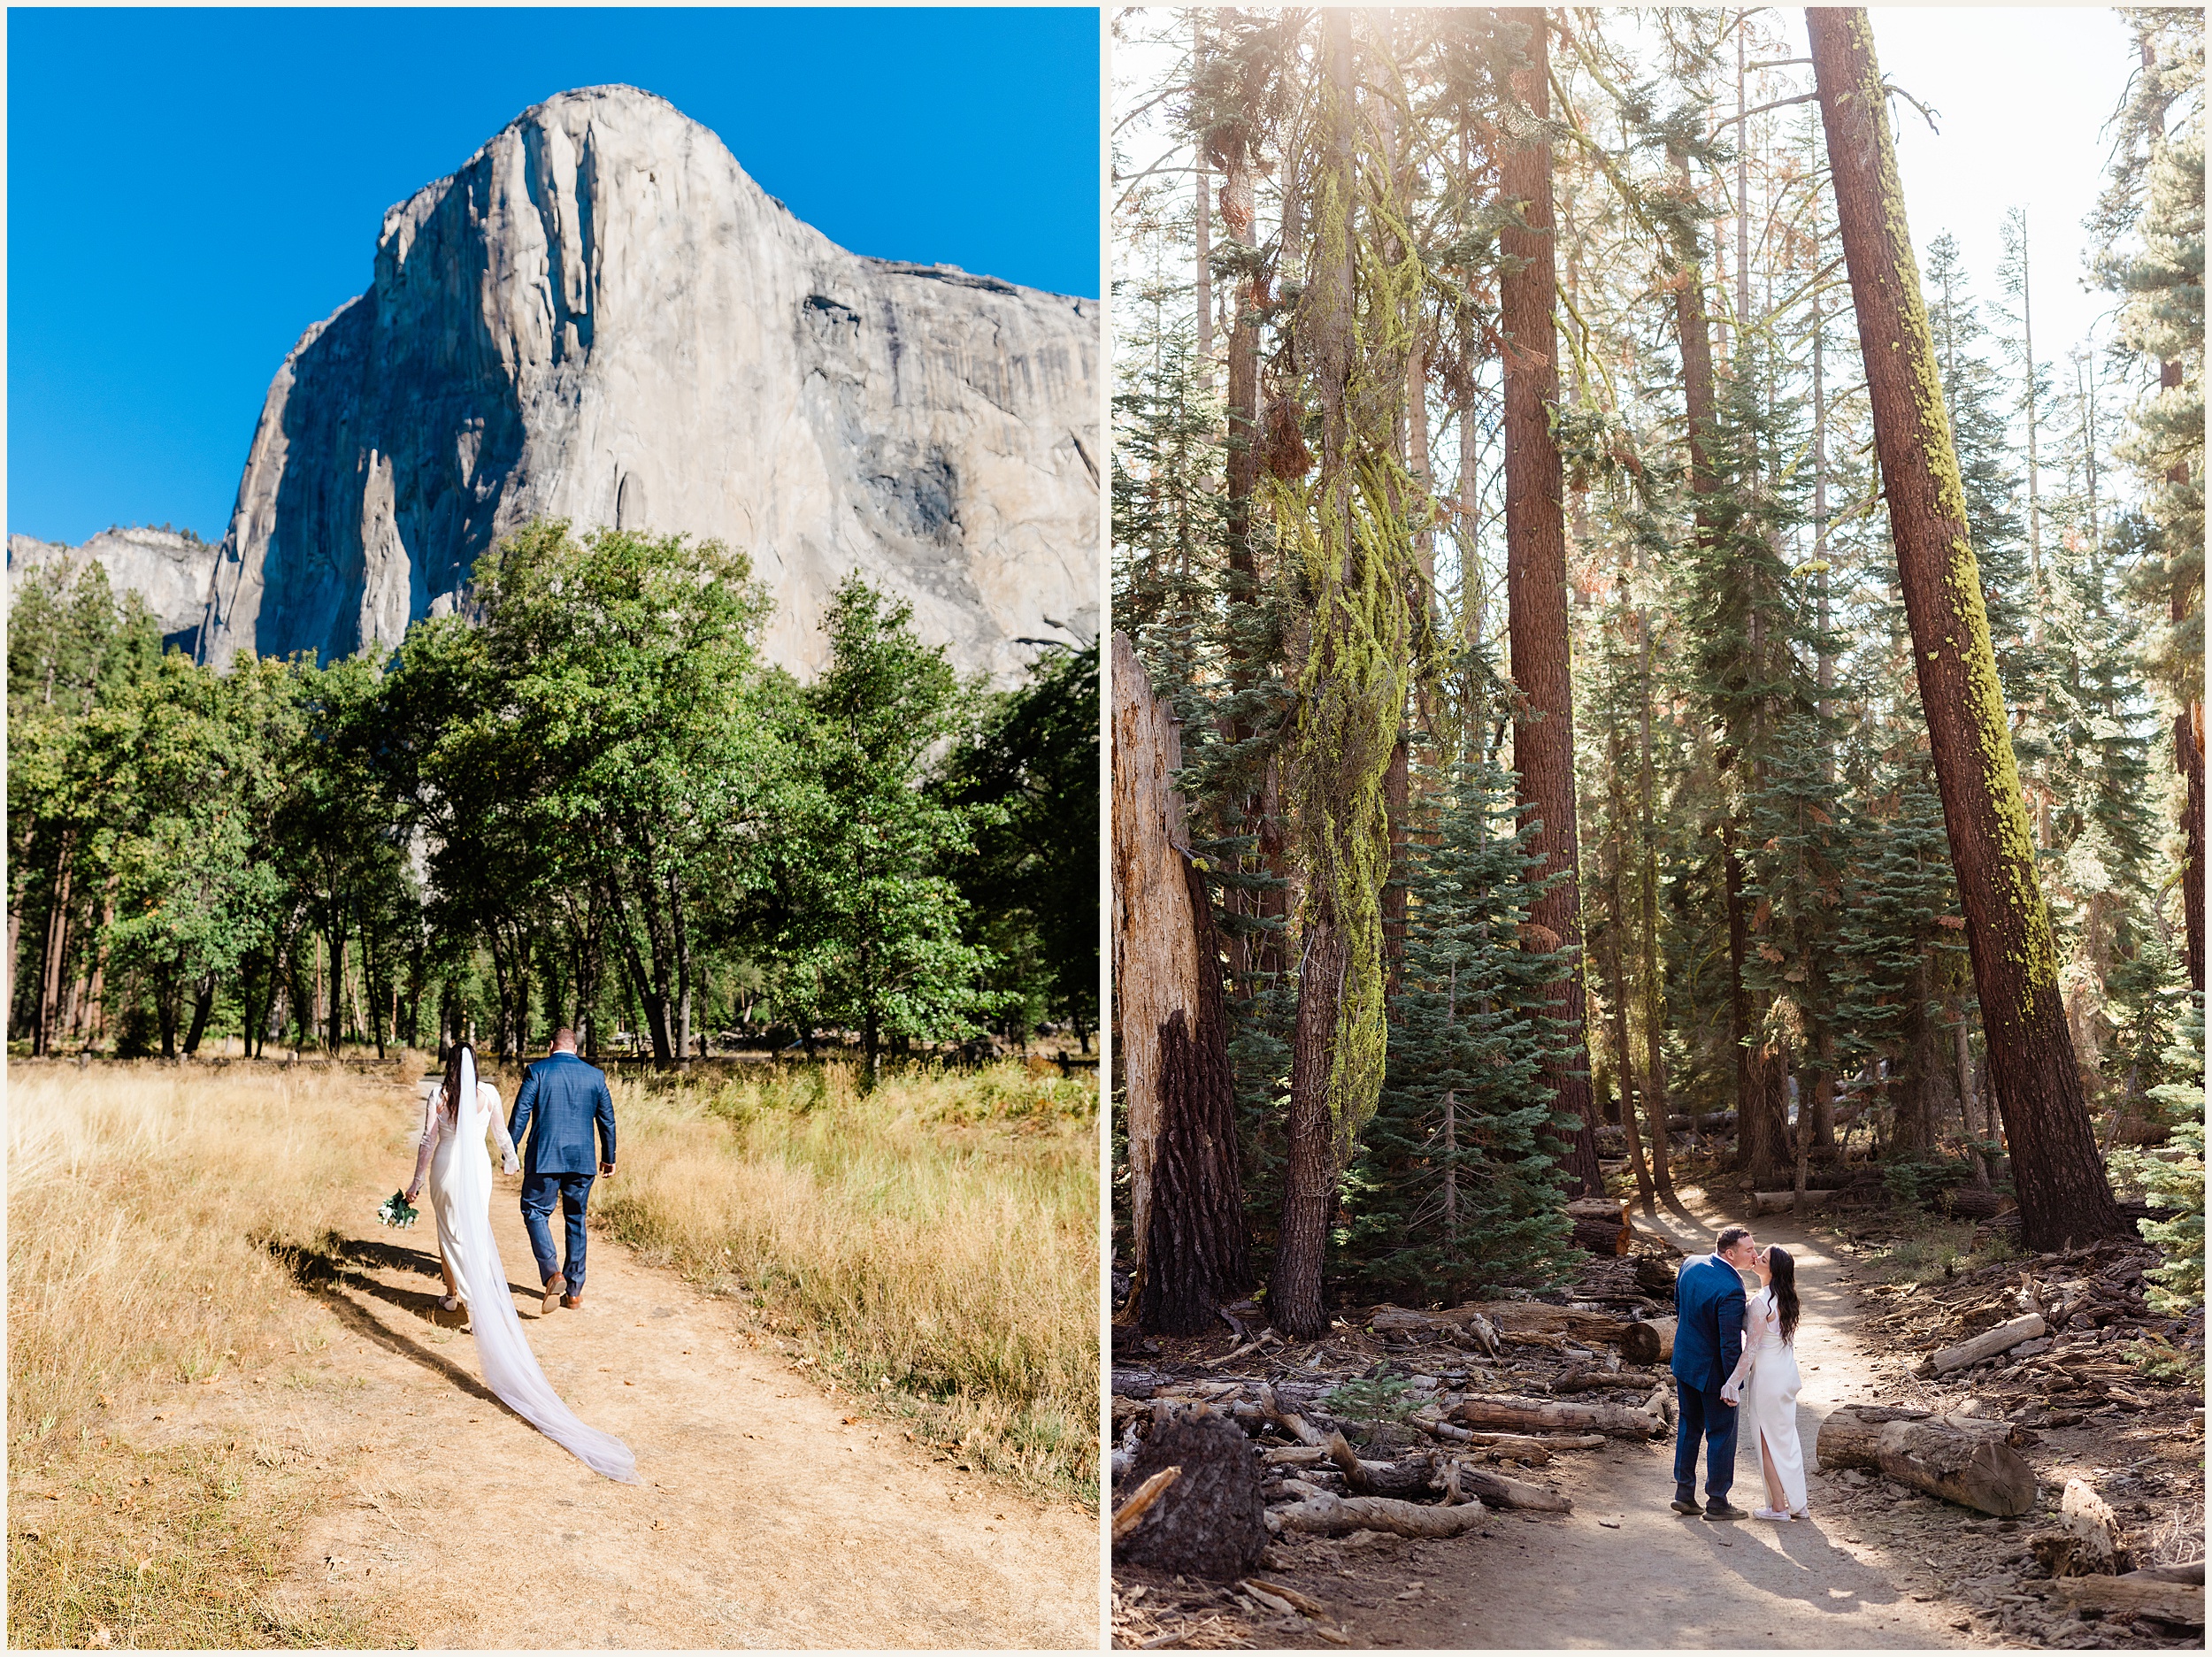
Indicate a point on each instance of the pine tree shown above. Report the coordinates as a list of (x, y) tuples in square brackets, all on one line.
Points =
[(1457, 1189)]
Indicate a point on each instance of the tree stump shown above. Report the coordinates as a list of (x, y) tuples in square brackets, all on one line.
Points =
[(1976, 1469), (2088, 1541), (1211, 1521)]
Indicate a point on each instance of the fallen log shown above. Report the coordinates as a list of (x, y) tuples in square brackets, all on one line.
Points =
[(2194, 1571), (1988, 1344), (1656, 1275), (1599, 1224), (1521, 1444), (1651, 1342), (1533, 1317), (1500, 1492), (1324, 1514), (2176, 1602), (1976, 1469), (1532, 1415), (1786, 1201), (2088, 1541), (1588, 1380), (1598, 1237), (1968, 1203), (1983, 1426)]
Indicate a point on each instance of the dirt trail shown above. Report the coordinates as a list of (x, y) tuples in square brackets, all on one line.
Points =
[(1623, 1570), (769, 1516)]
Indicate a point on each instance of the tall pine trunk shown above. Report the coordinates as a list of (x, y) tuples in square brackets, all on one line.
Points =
[(2030, 1065), (1536, 580)]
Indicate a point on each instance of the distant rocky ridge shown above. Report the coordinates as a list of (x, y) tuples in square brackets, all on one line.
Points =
[(172, 571), (600, 317)]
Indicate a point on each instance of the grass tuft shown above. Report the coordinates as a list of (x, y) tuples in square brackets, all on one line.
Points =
[(1929, 1250)]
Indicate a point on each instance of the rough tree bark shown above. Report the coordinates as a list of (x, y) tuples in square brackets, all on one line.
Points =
[(2030, 1066), (1187, 1203), (1536, 578)]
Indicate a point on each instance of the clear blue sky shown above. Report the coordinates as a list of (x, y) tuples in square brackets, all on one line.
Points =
[(187, 190)]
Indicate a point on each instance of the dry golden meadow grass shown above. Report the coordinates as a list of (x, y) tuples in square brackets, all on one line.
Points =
[(933, 1246), (142, 1201)]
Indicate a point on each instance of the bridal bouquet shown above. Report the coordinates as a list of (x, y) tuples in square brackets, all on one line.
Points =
[(395, 1210)]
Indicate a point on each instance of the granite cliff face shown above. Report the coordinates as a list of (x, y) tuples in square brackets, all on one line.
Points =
[(171, 571), (601, 318)]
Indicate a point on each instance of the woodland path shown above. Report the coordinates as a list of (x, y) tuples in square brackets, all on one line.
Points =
[(1661, 1580), (769, 1515)]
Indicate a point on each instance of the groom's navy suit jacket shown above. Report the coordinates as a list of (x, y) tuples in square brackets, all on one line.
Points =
[(1708, 1309), (569, 1099)]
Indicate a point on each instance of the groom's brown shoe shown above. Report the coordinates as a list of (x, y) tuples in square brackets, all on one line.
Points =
[(573, 1302), (554, 1288), (1722, 1510)]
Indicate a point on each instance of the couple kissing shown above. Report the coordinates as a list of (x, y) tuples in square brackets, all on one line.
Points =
[(1736, 1356)]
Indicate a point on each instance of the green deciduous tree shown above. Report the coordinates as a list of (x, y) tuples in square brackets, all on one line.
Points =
[(872, 922)]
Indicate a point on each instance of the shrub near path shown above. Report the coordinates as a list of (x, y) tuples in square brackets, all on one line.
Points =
[(353, 1483)]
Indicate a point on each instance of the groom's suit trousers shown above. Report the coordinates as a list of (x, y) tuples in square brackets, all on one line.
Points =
[(539, 1193), (1704, 1415)]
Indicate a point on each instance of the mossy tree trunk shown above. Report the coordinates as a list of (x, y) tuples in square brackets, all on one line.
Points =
[(1324, 941), (1536, 575), (2030, 1061)]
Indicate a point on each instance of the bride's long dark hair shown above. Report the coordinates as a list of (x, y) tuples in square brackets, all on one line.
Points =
[(1782, 1279), (453, 1078)]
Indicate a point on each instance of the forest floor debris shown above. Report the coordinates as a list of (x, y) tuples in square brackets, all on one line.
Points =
[(1879, 1565)]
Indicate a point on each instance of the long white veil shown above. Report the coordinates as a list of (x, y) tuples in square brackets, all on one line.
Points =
[(510, 1369)]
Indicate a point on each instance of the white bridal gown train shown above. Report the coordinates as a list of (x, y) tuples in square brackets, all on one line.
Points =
[(1770, 1402), (460, 1188)]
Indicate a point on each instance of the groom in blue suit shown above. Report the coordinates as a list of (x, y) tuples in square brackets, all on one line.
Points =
[(1708, 1309), (570, 1100)]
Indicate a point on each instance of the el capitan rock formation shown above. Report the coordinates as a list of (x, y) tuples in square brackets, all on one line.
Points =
[(601, 318)]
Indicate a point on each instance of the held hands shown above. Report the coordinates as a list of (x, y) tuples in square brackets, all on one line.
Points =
[(1731, 1393), (511, 1165)]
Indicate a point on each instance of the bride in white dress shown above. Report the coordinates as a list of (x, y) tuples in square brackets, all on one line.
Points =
[(1769, 1360), (456, 1111)]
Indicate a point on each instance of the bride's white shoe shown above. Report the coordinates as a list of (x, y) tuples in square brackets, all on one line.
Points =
[(1775, 1513)]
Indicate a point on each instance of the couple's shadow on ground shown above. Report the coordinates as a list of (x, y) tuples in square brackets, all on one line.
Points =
[(323, 1271), (1827, 1577)]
